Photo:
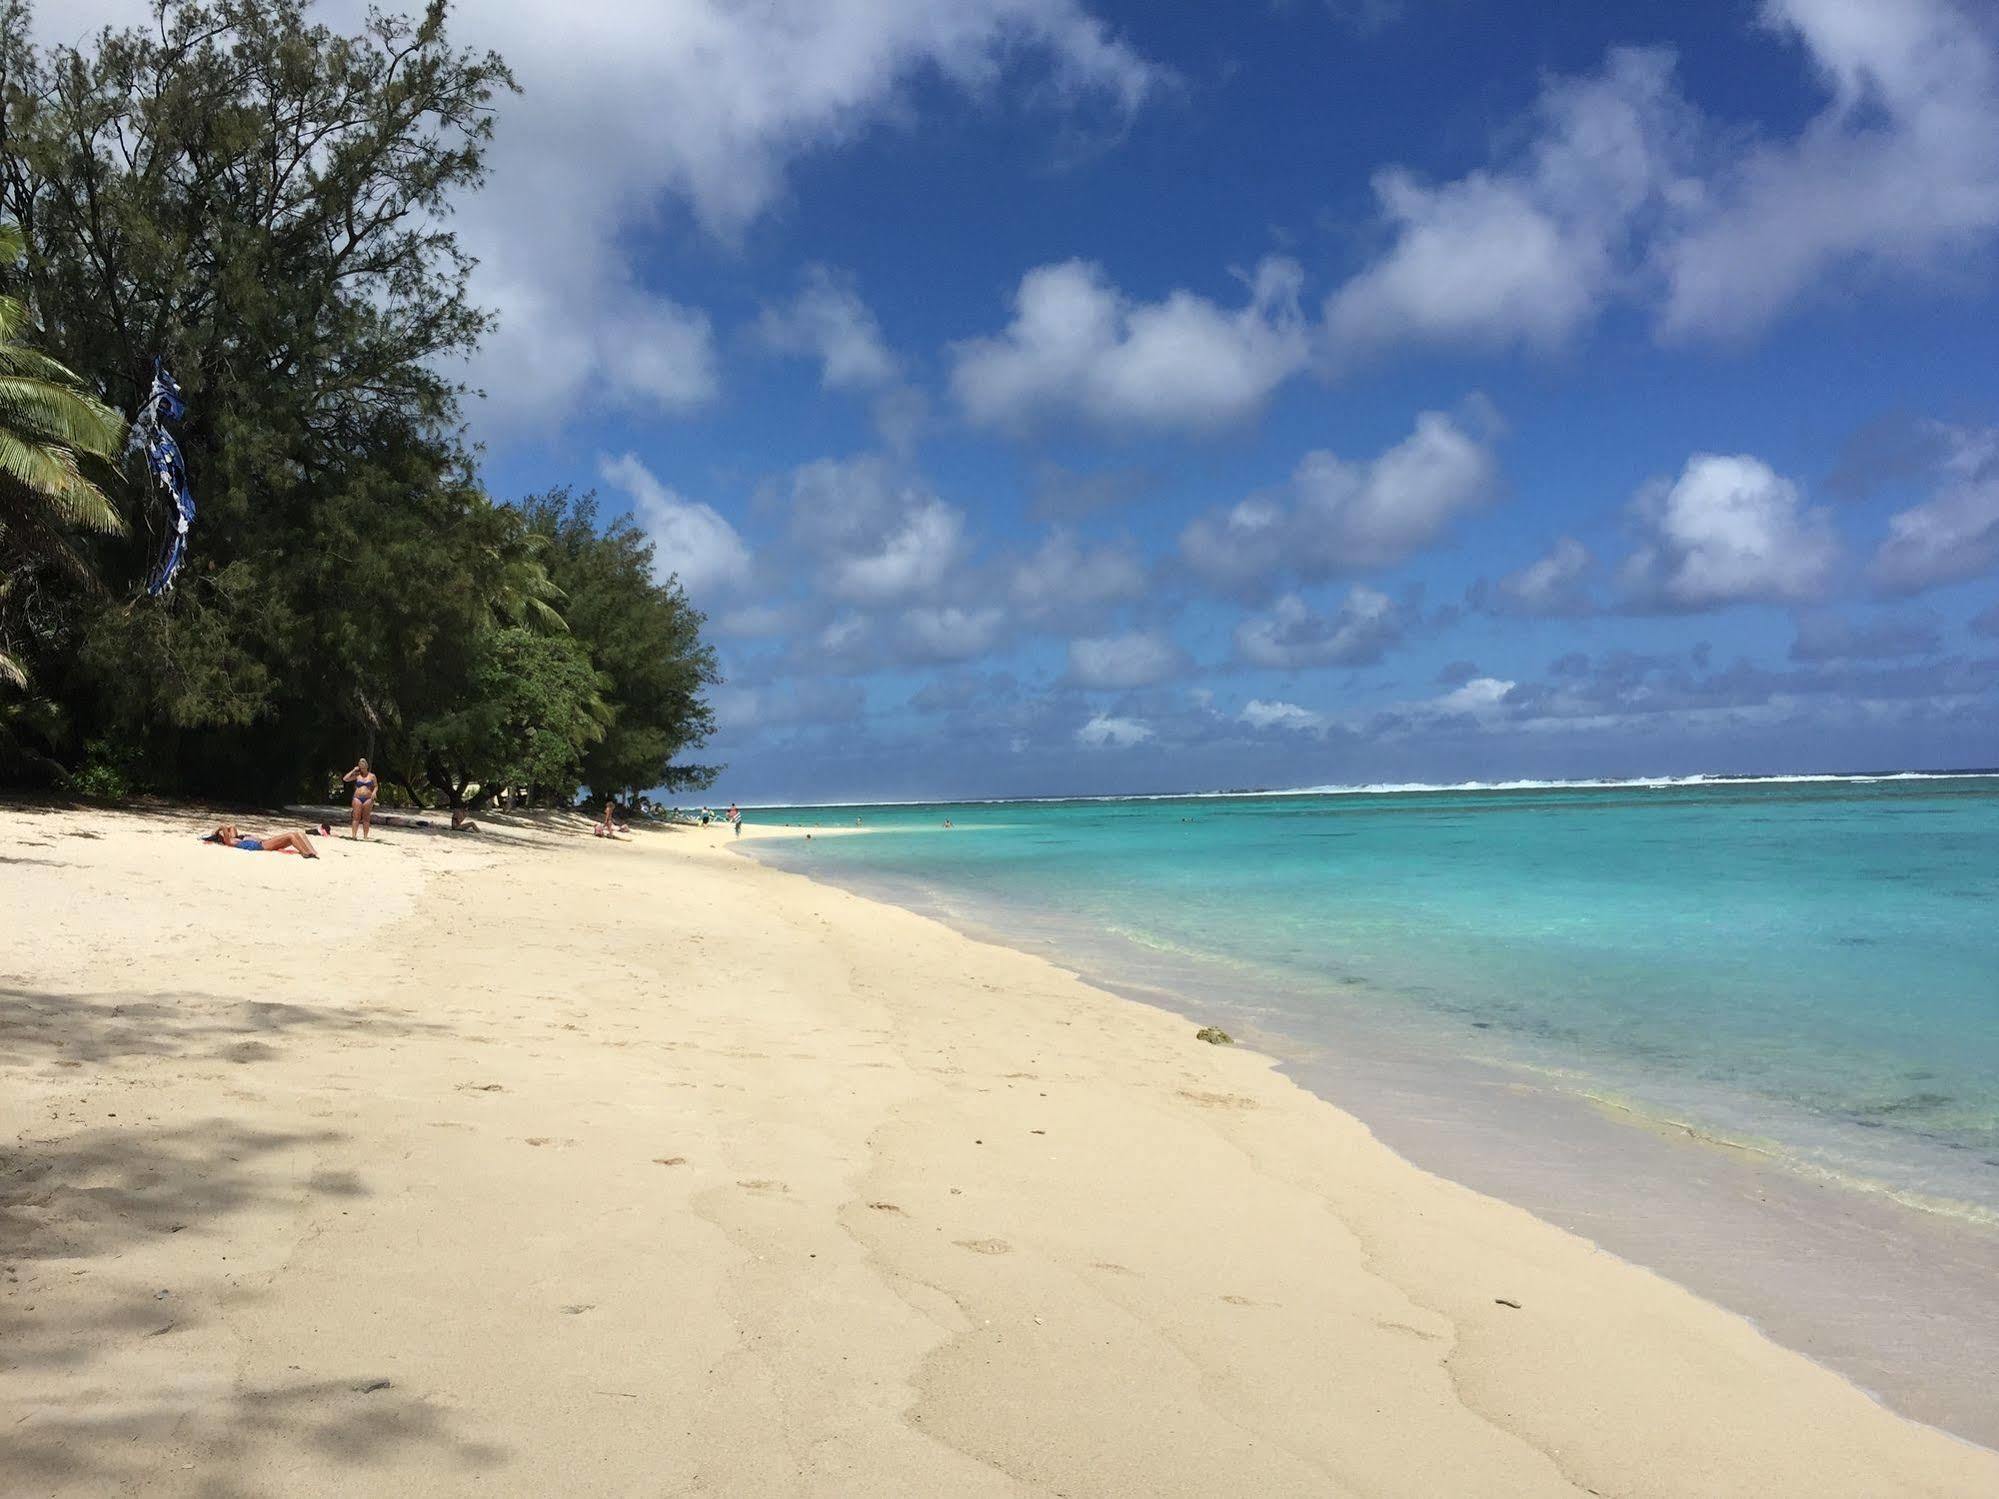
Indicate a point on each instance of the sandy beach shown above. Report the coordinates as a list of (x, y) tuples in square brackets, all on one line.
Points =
[(525, 1163)]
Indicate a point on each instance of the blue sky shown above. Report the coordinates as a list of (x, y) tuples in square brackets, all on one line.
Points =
[(1050, 396)]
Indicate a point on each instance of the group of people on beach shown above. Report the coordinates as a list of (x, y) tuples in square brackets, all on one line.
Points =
[(361, 814)]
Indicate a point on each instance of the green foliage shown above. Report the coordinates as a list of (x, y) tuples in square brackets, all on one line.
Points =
[(106, 775), (643, 635), (266, 204), (533, 706), (57, 442)]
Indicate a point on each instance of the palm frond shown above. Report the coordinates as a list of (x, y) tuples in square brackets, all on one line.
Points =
[(54, 414)]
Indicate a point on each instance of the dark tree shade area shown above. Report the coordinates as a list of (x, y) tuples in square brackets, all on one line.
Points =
[(265, 204)]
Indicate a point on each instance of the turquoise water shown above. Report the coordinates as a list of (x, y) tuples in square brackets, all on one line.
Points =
[(1809, 966)]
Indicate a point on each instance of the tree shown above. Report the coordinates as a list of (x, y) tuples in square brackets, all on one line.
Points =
[(531, 708), (641, 633), (266, 205), (57, 445)]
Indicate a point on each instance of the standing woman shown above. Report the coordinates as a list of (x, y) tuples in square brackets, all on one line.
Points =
[(364, 798)]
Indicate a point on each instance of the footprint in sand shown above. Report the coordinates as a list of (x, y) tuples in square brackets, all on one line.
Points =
[(984, 1246), (1414, 1332), (1238, 1301), (669, 1160), (761, 1185), (1217, 1100)]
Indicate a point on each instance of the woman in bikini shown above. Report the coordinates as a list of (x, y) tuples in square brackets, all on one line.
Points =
[(231, 836), (364, 798)]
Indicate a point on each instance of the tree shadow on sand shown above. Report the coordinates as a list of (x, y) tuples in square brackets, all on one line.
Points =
[(251, 1441), (76, 1423), (72, 1029)]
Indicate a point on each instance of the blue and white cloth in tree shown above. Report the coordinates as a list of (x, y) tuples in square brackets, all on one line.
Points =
[(169, 469)]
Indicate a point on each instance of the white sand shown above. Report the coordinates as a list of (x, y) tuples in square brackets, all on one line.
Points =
[(528, 1164)]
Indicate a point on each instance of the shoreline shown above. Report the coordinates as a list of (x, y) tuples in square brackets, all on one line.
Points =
[(1801, 1253), (528, 1163)]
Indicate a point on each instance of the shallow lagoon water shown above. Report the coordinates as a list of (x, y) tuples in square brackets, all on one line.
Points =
[(1745, 1034), (1810, 967)]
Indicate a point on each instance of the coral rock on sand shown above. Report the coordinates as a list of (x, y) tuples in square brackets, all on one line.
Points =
[(1214, 1035)]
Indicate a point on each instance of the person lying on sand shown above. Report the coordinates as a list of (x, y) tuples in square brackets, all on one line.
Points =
[(231, 836)]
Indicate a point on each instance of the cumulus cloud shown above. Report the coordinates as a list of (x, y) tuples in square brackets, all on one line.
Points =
[(950, 633), (1624, 191), (1832, 637), (1553, 586), (1900, 169), (1527, 252), (742, 710), (1954, 534), (1259, 714), (1480, 697), (1728, 530), (1063, 578), (1339, 517), (704, 104), (1078, 347), (829, 322), (1139, 658), (1062, 494), (1106, 732), (689, 539), (879, 536), (1293, 636)]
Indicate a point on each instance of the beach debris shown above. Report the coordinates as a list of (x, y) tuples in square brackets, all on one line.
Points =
[(1214, 1035), (481, 1088), (669, 1160), (1502, 1301), (371, 1386), (884, 1207), (579, 1308)]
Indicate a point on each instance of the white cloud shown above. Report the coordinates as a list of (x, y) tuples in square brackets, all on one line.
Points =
[(1139, 658), (1259, 714), (662, 354), (689, 538), (1340, 517), (880, 536), (1063, 578), (1954, 534), (1529, 252), (1554, 585), (1728, 530), (1900, 170), (1106, 732), (1291, 636), (951, 633), (1480, 697), (1624, 192), (1079, 348), (829, 322), (631, 105)]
